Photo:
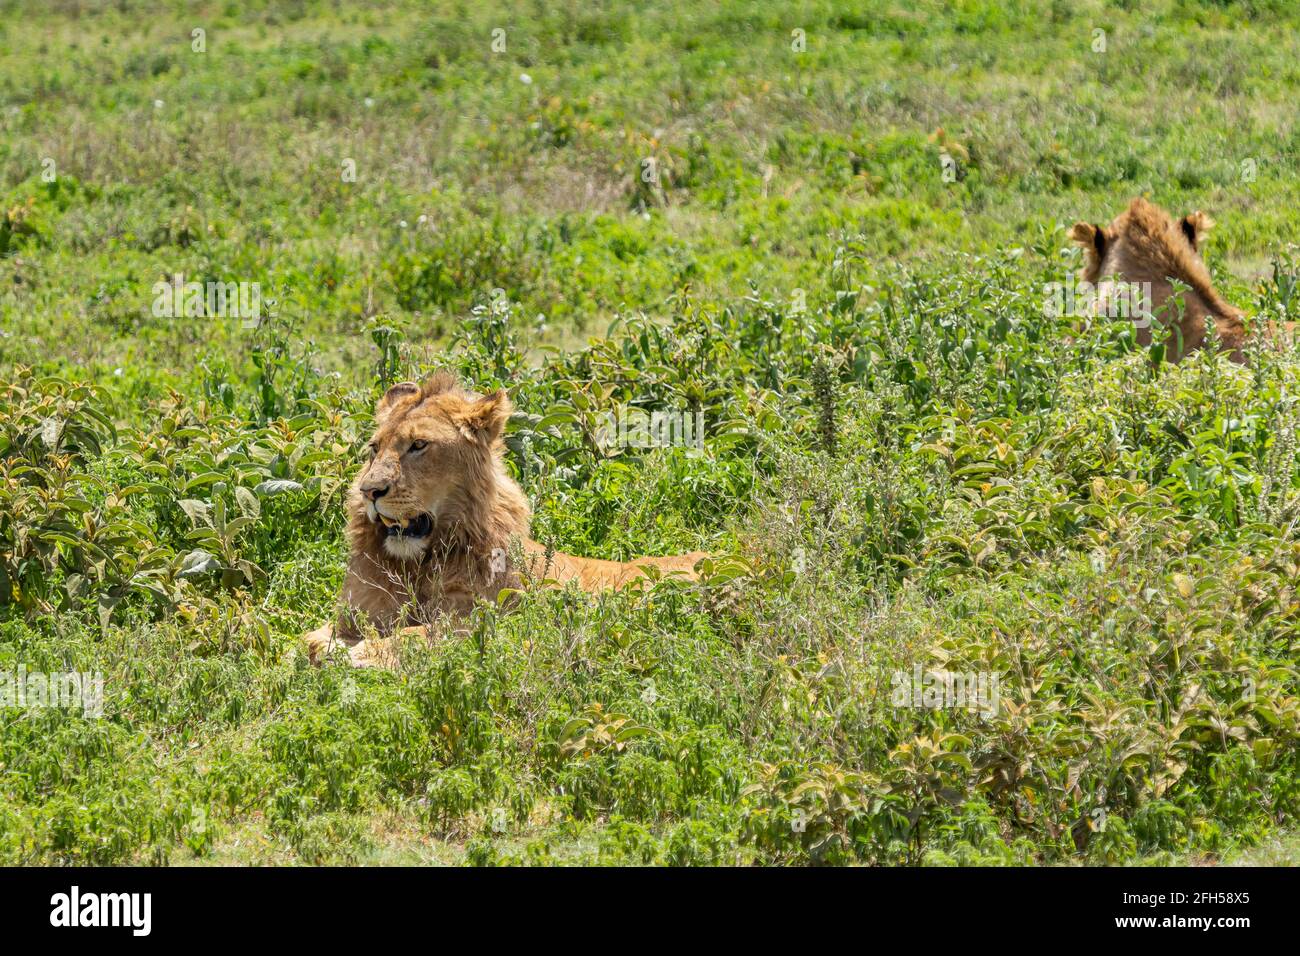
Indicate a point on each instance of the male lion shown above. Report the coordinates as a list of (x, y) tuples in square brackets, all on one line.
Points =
[(433, 520), (1143, 246)]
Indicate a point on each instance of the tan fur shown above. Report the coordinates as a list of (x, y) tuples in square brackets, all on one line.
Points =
[(1145, 245), (478, 540)]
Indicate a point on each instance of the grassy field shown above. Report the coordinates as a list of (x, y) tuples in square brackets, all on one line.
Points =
[(825, 227)]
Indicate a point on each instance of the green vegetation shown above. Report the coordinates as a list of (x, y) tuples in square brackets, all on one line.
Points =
[(909, 466)]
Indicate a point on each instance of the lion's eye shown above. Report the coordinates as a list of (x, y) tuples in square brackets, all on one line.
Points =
[(374, 449), (419, 445)]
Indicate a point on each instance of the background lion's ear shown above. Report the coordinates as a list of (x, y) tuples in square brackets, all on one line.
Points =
[(1093, 240), (1195, 227), (395, 394), (441, 383), (1090, 237), (487, 416)]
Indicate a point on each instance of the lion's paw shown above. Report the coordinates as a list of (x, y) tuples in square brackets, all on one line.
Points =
[(319, 643), (380, 653)]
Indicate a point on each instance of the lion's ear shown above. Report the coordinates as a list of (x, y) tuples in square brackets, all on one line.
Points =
[(487, 416), (441, 383), (1093, 239), (1195, 227), (394, 395)]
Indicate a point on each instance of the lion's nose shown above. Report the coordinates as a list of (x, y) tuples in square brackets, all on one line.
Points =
[(375, 491)]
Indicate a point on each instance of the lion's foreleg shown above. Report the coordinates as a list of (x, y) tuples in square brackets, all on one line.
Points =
[(368, 605)]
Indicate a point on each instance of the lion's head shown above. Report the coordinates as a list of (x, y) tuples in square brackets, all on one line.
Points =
[(1138, 253), (435, 472)]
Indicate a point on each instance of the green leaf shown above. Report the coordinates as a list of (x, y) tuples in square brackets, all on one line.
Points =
[(249, 506), (198, 562), (199, 511), (277, 486)]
